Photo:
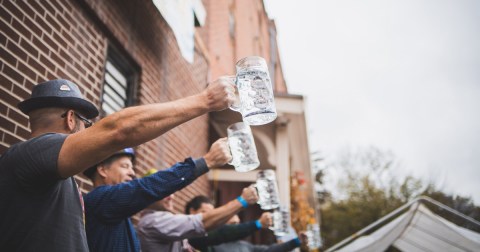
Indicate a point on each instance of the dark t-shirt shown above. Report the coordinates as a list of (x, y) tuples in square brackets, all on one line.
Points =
[(39, 211)]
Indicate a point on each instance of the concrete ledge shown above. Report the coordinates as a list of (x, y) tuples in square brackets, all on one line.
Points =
[(232, 175)]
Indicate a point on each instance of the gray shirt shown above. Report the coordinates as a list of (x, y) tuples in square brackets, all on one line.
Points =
[(165, 231), (39, 210)]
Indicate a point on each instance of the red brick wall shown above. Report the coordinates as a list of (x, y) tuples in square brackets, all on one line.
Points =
[(216, 33), (42, 40), (251, 36)]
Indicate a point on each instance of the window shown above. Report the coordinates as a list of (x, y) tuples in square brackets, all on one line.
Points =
[(119, 84)]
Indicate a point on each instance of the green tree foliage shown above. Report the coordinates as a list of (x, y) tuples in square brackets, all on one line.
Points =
[(369, 190)]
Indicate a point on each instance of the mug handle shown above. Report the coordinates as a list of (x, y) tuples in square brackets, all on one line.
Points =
[(236, 105), (272, 226), (254, 185)]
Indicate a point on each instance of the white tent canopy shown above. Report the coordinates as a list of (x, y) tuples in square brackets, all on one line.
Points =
[(418, 229)]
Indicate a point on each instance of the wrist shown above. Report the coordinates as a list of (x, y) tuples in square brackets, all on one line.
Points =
[(201, 167), (208, 163), (242, 201), (204, 99), (258, 224), (297, 241)]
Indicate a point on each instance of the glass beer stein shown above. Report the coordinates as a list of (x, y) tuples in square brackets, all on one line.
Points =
[(281, 221), (313, 236), (267, 189), (255, 92), (242, 147)]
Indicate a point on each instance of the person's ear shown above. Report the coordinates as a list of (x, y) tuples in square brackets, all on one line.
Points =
[(102, 171), (70, 120)]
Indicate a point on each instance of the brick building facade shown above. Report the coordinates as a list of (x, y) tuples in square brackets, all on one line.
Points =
[(77, 40), (41, 40)]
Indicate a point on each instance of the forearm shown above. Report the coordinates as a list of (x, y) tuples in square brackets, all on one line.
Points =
[(165, 182), (165, 226), (221, 215), (223, 234), (284, 247), (143, 123)]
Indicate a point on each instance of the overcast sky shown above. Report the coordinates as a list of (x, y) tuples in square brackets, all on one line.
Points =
[(400, 75)]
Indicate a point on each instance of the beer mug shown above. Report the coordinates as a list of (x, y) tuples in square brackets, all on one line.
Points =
[(242, 147), (255, 91), (313, 236), (267, 189), (281, 221)]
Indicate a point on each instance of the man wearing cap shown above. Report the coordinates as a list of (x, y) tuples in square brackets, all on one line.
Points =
[(160, 229), (41, 207), (118, 194)]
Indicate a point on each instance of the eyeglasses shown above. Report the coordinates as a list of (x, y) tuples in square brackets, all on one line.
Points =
[(86, 122)]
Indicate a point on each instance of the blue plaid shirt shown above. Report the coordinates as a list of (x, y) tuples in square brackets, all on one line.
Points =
[(108, 208)]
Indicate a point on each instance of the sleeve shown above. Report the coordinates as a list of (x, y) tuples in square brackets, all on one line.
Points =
[(164, 226), (117, 202), (281, 247), (37, 160), (223, 234)]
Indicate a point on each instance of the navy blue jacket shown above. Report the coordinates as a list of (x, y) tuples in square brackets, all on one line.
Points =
[(108, 208)]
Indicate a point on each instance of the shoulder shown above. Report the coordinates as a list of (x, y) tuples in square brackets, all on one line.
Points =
[(157, 214), (163, 216), (38, 143), (98, 196), (45, 145), (45, 140), (97, 192), (35, 160)]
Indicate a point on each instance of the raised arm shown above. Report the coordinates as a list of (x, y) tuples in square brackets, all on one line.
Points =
[(221, 215), (135, 125), (116, 202), (223, 234), (280, 247)]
